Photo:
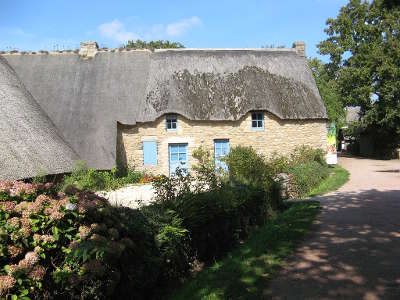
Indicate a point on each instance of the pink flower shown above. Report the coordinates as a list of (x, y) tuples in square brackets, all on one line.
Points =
[(12, 269), (38, 249), (96, 227), (56, 215), (22, 206), (13, 222), (42, 199), (26, 229), (47, 238), (37, 273), (31, 258), (36, 237), (5, 186), (43, 238), (84, 232), (20, 188), (6, 282), (14, 251), (26, 264), (7, 206)]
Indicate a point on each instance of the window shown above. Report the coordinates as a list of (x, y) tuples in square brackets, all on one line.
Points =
[(172, 122), (257, 121), (150, 153), (221, 149)]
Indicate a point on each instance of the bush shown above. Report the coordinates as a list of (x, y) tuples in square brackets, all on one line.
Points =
[(307, 176), (54, 246), (92, 180), (216, 210), (248, 168), (306, 167)]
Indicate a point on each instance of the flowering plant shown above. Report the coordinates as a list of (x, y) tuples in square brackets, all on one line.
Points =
[(57, 245)]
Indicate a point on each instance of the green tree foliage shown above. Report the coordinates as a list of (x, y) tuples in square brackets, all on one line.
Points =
[(329, 90), (151, 45), (364, 47)]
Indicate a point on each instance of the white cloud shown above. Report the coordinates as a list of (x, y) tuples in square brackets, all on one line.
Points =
[(182, 26), (115, 30)]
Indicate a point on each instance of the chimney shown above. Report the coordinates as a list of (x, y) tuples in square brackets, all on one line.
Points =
[(300, 48), (88, 49)]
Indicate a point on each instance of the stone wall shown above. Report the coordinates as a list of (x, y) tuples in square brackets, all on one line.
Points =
[(280, 136)]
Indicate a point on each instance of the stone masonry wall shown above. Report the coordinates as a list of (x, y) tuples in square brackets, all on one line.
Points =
[(280, 136)]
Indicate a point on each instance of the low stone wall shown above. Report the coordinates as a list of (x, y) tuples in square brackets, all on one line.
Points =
[(280, 136)]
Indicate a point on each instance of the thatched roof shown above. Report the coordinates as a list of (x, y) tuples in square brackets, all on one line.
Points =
[(85, 98), (29, 142), (352, 114)]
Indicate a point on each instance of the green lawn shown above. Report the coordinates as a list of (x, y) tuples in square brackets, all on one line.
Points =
[(244, 272), (336, 179)]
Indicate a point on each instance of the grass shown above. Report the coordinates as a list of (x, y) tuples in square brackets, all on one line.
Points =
[(243, 273), (335, 180)]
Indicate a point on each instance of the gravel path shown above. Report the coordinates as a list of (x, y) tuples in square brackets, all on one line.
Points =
[(130, 196), (354, 250)]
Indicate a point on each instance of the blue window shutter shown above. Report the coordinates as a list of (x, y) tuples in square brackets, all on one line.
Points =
[(150, 153)]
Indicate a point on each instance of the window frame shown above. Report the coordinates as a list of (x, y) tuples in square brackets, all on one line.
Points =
[(171, 118), (257, 120)]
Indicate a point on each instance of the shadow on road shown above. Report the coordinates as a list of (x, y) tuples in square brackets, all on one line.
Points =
[(353, 252)]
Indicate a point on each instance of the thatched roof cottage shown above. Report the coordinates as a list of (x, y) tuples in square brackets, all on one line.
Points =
[(151, 109)]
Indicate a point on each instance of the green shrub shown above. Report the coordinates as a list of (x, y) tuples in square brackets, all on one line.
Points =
[(91, 180), (308, 175), (306, 166), (248, 168), (305, 154), (219, 219), (217, 211)]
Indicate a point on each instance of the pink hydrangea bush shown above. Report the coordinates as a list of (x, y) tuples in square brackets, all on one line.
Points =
[(58, 246)]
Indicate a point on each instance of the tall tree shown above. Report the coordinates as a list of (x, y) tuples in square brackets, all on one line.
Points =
[(329, 91), (364, 47), (151, 45)]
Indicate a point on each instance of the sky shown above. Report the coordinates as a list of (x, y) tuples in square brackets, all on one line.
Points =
[(55, 25)]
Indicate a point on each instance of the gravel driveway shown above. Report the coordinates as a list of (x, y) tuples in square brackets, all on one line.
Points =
[(354, 249)]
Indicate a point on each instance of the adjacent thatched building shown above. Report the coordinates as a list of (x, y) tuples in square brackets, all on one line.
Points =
[(151, 109), (29, 142)]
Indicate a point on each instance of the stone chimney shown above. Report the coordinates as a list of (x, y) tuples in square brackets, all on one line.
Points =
[(88, 49), (300, 48)]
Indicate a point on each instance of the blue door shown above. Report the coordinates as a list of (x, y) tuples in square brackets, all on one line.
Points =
[(177, 158), (221, 149)]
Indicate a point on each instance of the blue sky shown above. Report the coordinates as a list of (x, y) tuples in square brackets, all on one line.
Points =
[(35, 25)]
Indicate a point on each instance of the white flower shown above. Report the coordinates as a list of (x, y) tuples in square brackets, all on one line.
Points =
[(70, 206)]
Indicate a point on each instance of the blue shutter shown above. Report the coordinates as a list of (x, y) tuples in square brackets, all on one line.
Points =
[(150, 153)]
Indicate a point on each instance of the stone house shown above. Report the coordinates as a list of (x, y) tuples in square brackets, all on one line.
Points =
[(150, 110)]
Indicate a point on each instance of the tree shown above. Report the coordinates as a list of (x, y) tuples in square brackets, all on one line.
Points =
[(329, 91), (364, 48), (151, 45)]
